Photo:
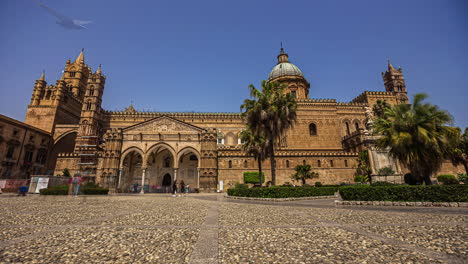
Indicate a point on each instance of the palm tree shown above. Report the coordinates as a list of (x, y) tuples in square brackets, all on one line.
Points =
[(254, 145), (417, 135), (303, 172), (271, 113), (459, 154)]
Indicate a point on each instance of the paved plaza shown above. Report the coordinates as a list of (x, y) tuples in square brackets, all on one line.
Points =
[(208, 228)]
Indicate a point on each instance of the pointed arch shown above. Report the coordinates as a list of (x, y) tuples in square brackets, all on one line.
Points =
[(129, 150)]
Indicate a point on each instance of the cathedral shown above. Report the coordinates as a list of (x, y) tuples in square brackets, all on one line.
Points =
[(119, 149)]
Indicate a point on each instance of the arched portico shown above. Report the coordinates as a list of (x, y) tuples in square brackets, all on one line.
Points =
[(131, 170), (160, 162), (189, 167)]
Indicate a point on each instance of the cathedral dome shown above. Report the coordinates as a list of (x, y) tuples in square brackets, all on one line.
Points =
[(284, 68)]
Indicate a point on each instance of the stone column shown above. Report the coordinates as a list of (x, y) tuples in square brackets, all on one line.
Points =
[(120, 178), (143, 180), (175, 174), (198, 178)]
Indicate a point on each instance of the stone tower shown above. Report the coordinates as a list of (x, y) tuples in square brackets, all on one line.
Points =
[(394, 82), (287, 73), (60, 103), (76, 75), (89, 131)]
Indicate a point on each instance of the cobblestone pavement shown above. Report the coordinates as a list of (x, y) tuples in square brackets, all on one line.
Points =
[(207, 228)]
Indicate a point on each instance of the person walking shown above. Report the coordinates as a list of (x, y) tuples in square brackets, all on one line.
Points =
[(187, 188), (174, 188), (76, 184), (182, 186)]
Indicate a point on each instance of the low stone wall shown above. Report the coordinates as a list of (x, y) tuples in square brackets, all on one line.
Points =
[(390, 203), (281, 199)]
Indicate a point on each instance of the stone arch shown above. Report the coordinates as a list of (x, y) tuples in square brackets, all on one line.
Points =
[(65, 143), (230, 139), (127, 151), (346, 127), (158, 145), (187, 150), (312, 129), (356, 125)]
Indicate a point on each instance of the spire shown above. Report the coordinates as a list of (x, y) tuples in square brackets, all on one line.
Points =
[(42, 76), (80, 57), (390, 66), (98, 71)]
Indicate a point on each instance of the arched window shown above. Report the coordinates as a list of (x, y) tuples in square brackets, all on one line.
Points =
[(72, 74), (332, 164), (293, 93), (220, 138), (304, 162), (91, 92), (319, 163), (346, 163), (400, 88), (88, 105), (41, 96), (313, 129), (245, 164), (230, 164), (347, 128), (287, 163), (357, 126)]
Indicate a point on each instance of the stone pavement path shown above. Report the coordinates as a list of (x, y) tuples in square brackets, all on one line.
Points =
[(207, 228)]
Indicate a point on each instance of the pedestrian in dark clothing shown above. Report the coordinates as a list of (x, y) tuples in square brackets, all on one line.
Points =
[(23, 190), (182, 186), (174, 187)]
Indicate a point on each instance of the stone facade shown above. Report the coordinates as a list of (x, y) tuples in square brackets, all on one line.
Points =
[(23, 149), (127, 148)]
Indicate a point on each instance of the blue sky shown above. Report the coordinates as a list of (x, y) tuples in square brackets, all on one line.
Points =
[(201, 55)]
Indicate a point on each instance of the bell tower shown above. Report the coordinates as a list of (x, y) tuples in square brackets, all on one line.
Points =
[(76, 75), (394, 82), (89, 131)]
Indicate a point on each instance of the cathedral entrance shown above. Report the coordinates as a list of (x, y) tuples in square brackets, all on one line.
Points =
[(166, 183), (159, 170), (131, 172), (188, 171)]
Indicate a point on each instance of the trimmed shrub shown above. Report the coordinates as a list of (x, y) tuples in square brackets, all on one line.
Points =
[(447, 179), (431, 193), (318, 184), (282, 192), (252, 177), (95, 191), (56, 190), (463, 177), (241, 186)]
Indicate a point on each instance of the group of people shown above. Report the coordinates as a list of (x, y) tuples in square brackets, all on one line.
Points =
[(180, 186)]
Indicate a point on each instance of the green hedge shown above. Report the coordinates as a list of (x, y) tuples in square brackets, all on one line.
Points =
[(432, 193), (282, 192), (57, 190), (252, 177), (95, 190)]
